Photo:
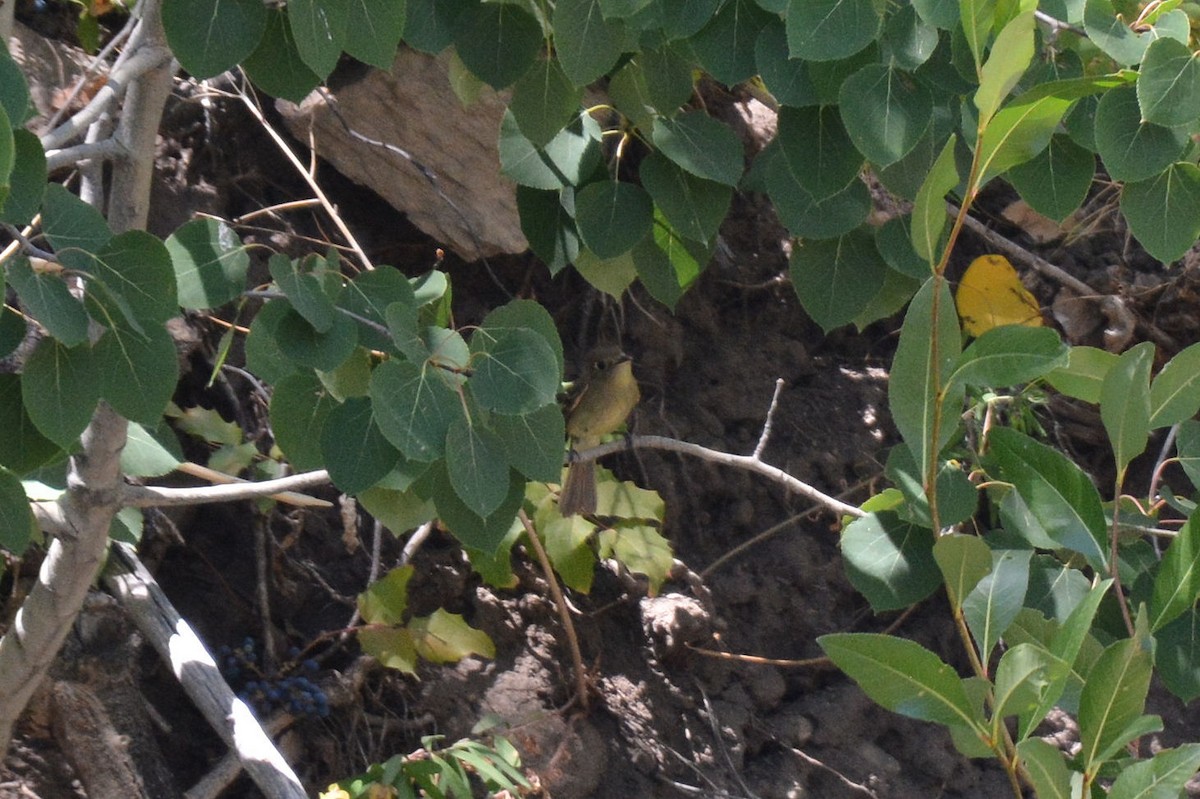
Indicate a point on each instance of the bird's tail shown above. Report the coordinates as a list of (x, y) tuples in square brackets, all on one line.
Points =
[(579, 490)]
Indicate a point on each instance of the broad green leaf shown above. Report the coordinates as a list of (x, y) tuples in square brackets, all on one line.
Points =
[(1177, 583), (483, 534), (17, 526), (639, 547), (666, 263), (942, 13), (210, 263), (305, 291), (993, 603), (1084, 373), (276, 66), (1059, 495), (414, 407), (964, 560), (613, 216), (1163, 775), (74, 228), (60, 387), (978, 17), (902, 676), (300, 404), (304, 344), (929, 346), (725, 46), (1131, 147), (1125, 404), (1009, 355), (958, 498), (263, 356), (46, 298), (533, 442), (684, 18), (894, 241), (816, 151), (135, 268), (548, 226), (28, 180), (833, 277), (544, 101), (515, 370), (807, 216), (498, 42), (23, 448), (885, 111), (386, 600), (619, 9), (929, 212), (211, 36), (354, 450), (1010, 56), (908, 40), (397, 510), (1164, 211), (898, 288), (1113, 698), (586, 43), (13, 328), (150, 454), (1175, 393), (668, 77), (568, 160), (1055, 587), (1112, 34), (138, 371), (701, 145), (905, 177), (529, 315), (785, 77), (826, 30), (370, 295), (1055, 182), (695, 207), (890, 561), (1177, 655), (1026, 675), (429, 24), (375, 27), (14, 91), (1044, 763), (477, 467), (610, 275), (1168, 86), (444, 637), (319, 28)]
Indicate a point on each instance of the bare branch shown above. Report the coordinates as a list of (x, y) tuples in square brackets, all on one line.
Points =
[(160, 497), (766, 431)]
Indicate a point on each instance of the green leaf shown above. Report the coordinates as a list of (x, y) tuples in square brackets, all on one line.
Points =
[(1055, 588), (300, 405), (386, 600), (994, 602), (1125, 404), (397, 510), (210, 263), (668, 264), (138, 371), (544, 101), (640, 548), (1113, 698), (785, 77), (816, 151), (613, 216), (1163, 775), (1044, 763), (1132, 148), (929, 212), (529, 315), (135, 268), (890, 561), (1177, 583), (1168, 86), (668, 76), (1084, 373), (515, 371), (807, 216), (1026, 676), (263, 356), (833, 277), (1164, 211), (60, 387), (17, 526), (1009, 355), (149, 454), (610, 275), (978, 17), (13, 329), (1010, 56), (1057, 179), (533, 442), (14, 91), (1177, 655), (886, 112), (305, 291), (929, 346), (414, 407), (479, 533), (695, 207), (74, 228), (429, 24), (1112, 34), (319, 30), (826, 30), (369, 296), (304, 344), (1175, 393), (549, 226), (587, 44), (908, 41), (725, 46), (568, 160), (477, 467), (353, 448), (684, 18), (964, 560), (276, 66), (498, 42), (1059, 495), (894, 242), (902, 676), (701, 145), (211, 36), (376, 27), (28, 180), (906, 176), (47, 299), (568, 545), (22, 447), (444, 637)]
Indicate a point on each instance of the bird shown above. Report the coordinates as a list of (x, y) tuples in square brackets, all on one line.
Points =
[(608, 395)]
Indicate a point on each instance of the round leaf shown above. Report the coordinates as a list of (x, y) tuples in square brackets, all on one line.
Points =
[(60, 388), (701, 145), (515, 371), (827, 30), (210, 263), (695, 207), (319, 30), (817, 153), (414, 408), (302, 343), (355, 451), (785, 77), (587, 44), (570, 157), (377, 26), (885, 112), (498, 42), (1164, 211), (1130, 148), (300, 404), (211, 36), (1056, 181), (477, 467), (819, 219), (1168, 85), (276, 66), (836, 278), (544, 101), (725, 46), (613, 216)]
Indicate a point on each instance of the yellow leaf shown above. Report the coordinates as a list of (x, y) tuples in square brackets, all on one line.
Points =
[(991, 295)]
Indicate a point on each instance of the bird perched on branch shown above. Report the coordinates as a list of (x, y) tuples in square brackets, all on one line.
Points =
[(608, 394)]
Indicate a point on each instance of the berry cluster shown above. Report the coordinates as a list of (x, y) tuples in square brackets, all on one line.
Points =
[(283, 689)]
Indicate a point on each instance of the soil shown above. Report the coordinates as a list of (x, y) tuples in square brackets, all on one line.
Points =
[(671, 713)]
